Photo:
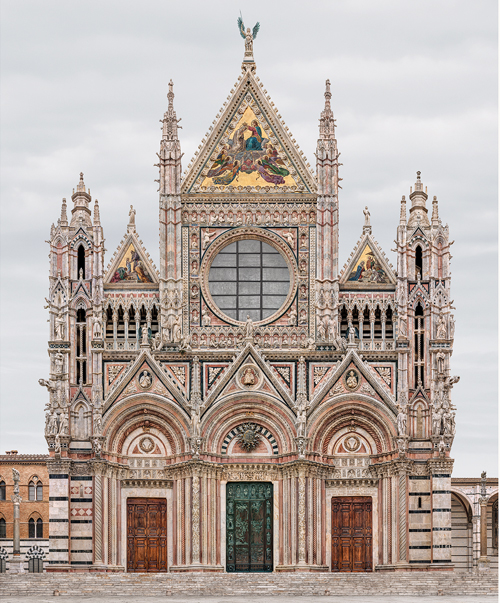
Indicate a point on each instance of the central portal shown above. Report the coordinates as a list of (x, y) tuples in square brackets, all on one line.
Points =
[(249, 527)]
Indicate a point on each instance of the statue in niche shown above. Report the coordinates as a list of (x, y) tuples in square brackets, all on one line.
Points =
[(401, 420), (145, 336), (60, 325), (352, 380), (292, 317), (436, 421), (205, 318), (300, 423), (441, 327), (331, 328), (58, 364), (176, 330), (96, 327), (440, 362), (321, 329), (97, 425)]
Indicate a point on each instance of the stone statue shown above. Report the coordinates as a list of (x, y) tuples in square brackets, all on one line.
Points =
[(452, 326), (97, 425), (145, 337), (331, 328), (440, 362), (367, 216), (205, 318), (131, 215), (289, 238), (97, 327), (249, 328), (401, 420), (57, 444), (436, 421), (292, 317), (352, 380), (321, 329), (449, 427), (176, 330), (158, 343), (401, 444), (249, 36), (96, 444), (16, 477), (185, 343), (60, 326), (52, 425), (50, 385), (63, 425), (58, 364), (441, 327), (195, 420), (301, 422)]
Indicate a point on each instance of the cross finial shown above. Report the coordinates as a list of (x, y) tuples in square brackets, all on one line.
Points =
[(418, 175)]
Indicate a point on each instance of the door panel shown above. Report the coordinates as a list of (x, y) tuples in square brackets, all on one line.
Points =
[(352, 534), (146, 535), (249, 527)]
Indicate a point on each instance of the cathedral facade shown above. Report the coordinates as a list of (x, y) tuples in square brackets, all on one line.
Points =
[(250, 405)]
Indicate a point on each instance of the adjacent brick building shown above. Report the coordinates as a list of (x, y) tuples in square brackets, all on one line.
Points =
[(34, 508)]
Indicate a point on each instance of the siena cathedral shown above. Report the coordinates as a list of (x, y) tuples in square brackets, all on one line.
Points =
[(251, 405)]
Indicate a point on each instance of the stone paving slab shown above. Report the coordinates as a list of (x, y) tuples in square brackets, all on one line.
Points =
[(275, 599)]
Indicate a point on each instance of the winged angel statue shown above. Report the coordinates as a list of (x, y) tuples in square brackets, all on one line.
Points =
[(249, 36)]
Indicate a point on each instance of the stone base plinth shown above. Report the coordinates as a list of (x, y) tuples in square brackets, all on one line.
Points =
[(16, 565), (483, 563)]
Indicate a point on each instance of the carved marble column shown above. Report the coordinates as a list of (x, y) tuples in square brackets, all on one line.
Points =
[(302, 519), (16, 563)]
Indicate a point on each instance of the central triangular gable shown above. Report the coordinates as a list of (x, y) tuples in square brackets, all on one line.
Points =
[(249, 150)]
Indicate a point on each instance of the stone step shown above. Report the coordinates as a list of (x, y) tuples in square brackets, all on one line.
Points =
[(292, 584)]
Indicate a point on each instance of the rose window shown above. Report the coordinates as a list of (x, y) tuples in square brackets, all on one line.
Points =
[(249, 278)]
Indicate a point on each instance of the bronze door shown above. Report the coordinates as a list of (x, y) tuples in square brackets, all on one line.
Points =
[(249, 527), (352, 534), (146, 535)]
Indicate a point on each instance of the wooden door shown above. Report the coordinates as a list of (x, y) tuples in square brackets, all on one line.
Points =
[(352, 534), (146, 535)]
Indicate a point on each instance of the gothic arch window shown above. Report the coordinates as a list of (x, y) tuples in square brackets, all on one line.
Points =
[(81, 346), (419, 345), (35, 489), (377, 330), (35, 527), (366, 324), (154, 320), (131, 323), (120, 327), (3, 528), (81, 261), (418, 262), (109, 323), (343, 321), (389, 329), (2, 490)]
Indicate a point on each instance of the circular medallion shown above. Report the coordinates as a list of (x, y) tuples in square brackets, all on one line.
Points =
[(248, 437), (249, 377), (146, 445), (351, 380), (351, 443), (145, 379)]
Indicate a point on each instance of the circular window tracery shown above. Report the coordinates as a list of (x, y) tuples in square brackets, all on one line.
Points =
[(249, 277)]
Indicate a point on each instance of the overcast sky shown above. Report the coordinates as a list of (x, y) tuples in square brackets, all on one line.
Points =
[(414, 85)]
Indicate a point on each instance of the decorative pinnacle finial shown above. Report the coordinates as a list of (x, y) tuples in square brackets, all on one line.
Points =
[(326, 121), (170, 94), (328, 94), (367, 229)]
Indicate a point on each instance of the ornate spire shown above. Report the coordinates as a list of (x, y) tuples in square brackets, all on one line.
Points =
[(97, 215), (170, 121), (418, 210), (402, 216), (81, 200), (327, 122), (64, 215), (435, 212)]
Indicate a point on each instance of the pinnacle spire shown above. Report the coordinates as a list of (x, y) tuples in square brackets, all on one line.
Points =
[(97, 215), (64, 215), (327, 122), (170, 121), (81, 199), (435, 211), (418, 210), (402, 216)]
